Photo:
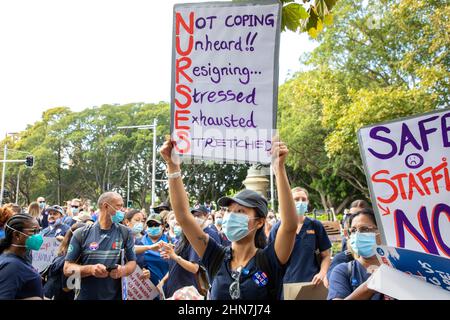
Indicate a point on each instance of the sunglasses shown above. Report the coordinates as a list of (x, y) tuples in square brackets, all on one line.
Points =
[(235, 290), (75, 207)]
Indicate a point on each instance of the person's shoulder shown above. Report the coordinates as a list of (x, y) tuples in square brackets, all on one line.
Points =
[(341, 270)]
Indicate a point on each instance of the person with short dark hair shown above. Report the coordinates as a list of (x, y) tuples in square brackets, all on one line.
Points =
[(18, 278), (43, 218)]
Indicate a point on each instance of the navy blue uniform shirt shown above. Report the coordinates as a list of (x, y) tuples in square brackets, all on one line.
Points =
[(56, 230), (345, 256), (178, 276), (253, 281), (342, 282), (302, 265), (100, 246), (18, 279)]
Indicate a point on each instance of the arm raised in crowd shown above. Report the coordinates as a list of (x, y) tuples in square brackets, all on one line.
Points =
[(167, 252), (285, 239), (180, 204)]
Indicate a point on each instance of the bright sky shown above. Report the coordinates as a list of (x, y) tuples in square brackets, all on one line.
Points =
[(84, 53)]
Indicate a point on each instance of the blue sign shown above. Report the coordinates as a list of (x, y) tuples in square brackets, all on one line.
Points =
[(432, 268)]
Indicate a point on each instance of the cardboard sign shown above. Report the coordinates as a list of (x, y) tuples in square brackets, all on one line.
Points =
[(304, 291), (406, 164), (402, 286), (138, 289), (44, 257), (225, 80), (428, 267)]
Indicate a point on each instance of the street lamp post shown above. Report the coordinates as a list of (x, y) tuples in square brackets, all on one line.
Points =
[(145, 127), (5, 153)]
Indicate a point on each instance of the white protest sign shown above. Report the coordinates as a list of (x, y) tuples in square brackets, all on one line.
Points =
[(406, 164), (225, 80), (402, 286), (138, 289), (44, 257)]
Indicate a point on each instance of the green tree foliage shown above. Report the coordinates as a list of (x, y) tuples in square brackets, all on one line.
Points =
[(380, 60), (83, 154)]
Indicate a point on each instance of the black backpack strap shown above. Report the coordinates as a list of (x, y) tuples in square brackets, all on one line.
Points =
[(263, 264), (125, 233)]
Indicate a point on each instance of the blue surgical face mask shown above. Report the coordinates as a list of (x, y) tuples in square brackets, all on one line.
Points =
[(118, 217), (302, 207), (154, 231), (178, 231), (33, 242), (235, 226), (75, 210), (219, 221), (137, 228), (42, 205), (363, 244)]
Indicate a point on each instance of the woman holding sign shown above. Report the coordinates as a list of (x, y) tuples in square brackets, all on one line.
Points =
[(18, 279), (248, 269), (348, 280)]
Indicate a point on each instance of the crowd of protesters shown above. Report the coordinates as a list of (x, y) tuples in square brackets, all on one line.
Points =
[(237, 250)]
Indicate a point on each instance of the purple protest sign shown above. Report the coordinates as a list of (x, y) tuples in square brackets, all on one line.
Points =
[(407, 170)]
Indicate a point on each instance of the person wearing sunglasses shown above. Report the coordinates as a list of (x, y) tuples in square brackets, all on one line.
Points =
[(43, 218), (248, 270), (95, 252), (349, 280), (149, 245), (56, 228), (18, 278)]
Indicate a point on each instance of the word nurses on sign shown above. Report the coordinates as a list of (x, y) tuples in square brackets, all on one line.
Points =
[(407, 169), (224, 80)]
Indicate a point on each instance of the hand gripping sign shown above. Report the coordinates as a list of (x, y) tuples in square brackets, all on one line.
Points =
[(406, 165), (225, 79)]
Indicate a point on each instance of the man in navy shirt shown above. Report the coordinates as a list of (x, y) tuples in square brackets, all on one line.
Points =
[(311, 236), (94, 252), (56, 228)]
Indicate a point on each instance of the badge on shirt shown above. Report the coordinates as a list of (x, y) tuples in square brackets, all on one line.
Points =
[(116, 245), (93, 246), (310, 232), (260, 278)]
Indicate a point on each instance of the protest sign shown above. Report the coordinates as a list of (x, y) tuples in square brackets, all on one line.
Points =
[(402, 286), (428, 267), (224, 80), (138, 289), (44, 257), (406, 164)]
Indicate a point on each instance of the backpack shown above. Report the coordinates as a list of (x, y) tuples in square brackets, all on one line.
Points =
[(262, 263)]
